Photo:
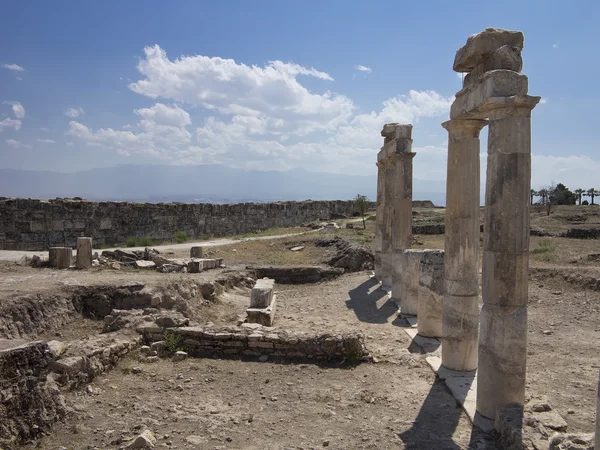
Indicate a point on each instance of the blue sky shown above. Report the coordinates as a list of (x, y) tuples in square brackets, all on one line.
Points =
[(276, 85)]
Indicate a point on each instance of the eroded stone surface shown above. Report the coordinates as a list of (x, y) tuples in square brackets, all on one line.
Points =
[(481, 45)]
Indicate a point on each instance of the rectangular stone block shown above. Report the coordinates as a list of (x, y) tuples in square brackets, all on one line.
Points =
[(496, 83), (262, 293), (506, 57), (195, 266)]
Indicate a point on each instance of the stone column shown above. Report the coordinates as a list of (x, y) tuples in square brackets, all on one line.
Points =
[(83, 260), (431, 291), (597, 434), (379, 220), (460, 316), (503, 340), (386, 235), (196, 252), (60, 257)]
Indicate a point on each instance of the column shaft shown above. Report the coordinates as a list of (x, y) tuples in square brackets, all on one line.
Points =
[(503, 340), (460, 316), (379, 220), (386, 235)]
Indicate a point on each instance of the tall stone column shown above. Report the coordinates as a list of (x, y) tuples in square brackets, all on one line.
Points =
[(379, 220), (503, 340), (83, 259), (460, 315), (386, 235)]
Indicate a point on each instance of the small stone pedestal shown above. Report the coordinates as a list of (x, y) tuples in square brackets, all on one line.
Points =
[(196, 252), (83, 259), (60, 257), (262, 303), (409, 282)]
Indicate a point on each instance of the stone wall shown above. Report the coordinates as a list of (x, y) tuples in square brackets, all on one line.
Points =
[(28, 224)]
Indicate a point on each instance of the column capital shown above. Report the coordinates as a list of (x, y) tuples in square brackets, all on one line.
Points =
[(464, 127)]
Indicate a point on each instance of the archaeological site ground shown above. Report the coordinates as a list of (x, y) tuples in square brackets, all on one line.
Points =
[(303, 325)]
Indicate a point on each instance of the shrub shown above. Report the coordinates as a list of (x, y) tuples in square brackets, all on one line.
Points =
[(145, 241), (131, 242), (181, 237), (173, 342), (585, 202)]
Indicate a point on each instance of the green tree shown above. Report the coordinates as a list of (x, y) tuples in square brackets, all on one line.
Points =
[(360, 205), (592, 193), (561, 195), (579, 193)]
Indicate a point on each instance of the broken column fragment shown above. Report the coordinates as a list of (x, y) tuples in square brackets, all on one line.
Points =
[(83, 259), (60, 257), (431, 290), (196, 252), (262, 303)]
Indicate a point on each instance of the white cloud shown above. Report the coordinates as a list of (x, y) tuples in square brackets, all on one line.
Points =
[(10, 123), (126, 127), (70, 144), (543, 100), (554, 45), (17, 109), (14, 67), (362, 68), (45, 129), (16, 144), (459, 75), (575, 171), (46, 141), (163, 133), (73, 112)]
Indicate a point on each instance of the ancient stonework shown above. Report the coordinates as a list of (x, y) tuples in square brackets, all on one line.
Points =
[(27, 224)]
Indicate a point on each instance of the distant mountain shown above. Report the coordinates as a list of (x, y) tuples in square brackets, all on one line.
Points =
[(198, 184)]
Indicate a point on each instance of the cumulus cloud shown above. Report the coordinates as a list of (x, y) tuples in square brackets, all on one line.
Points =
[(46, 141), (16, 144), (254, 116), (73, 112), (543, 100), (10, 123), (362, 68), (17, 109), (14, 67)]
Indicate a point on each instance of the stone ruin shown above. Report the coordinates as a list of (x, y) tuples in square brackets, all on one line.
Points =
[(443, 288)]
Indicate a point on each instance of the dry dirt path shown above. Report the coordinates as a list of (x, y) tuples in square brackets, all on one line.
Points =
[(15, 255)]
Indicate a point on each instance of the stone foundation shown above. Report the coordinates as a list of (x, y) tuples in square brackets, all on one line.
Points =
[(254, 340)]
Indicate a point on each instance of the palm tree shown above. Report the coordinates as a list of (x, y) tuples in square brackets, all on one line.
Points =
[(592, 193), (579, 193), (532, 194)]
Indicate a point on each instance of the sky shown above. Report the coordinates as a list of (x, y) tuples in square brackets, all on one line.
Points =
[(279, 85)]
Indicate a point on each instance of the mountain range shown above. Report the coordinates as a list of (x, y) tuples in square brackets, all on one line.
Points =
[(198, 184)]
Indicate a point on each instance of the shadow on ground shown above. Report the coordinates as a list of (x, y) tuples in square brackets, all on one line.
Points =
[(364, 301)]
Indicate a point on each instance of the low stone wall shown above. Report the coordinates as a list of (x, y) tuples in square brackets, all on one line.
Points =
[(28, 224), (298, 274), (30, 402), (582, 233), (256, 340)]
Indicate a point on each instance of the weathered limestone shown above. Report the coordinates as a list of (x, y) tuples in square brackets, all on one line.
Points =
[(481, 45), (262, 303), (461, 273), (83, 259), (379, 220), (395, 162), (503, 341), (60, 257), (196, 252), (431, 290), (409, 286), (495, 89), (597, 435)]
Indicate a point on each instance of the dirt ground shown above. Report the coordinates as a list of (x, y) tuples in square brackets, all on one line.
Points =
[(393, 403)]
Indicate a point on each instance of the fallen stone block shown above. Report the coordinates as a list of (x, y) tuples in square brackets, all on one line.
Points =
[(145, 440), (572, 442), (57, 347), (196, 252), (195, 266), (145, 264), (70, 366), (179, 356), (262, 293)]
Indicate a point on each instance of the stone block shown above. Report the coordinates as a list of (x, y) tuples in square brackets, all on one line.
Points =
[(506, 57), (196, 252), (69, 365), (264, 316), (496, 83), (84, 253), (195, 266), (105, 224), (262, 293), (60, 257), (481, 45), (141, 264)]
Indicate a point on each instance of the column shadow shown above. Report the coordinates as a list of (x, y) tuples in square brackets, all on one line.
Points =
[(363, 300)]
